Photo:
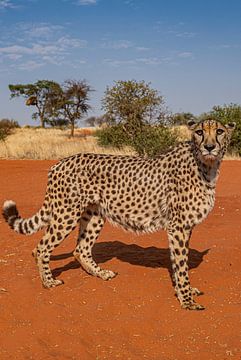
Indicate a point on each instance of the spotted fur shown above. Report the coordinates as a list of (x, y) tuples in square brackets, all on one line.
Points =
[(174, 191)]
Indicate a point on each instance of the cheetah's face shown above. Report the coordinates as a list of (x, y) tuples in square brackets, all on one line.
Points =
[(211, 139)]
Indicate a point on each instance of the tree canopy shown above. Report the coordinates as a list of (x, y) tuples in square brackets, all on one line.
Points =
[(38, 95), (133, 102), (72, 102)]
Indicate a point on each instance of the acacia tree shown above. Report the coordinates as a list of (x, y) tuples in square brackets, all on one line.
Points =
[(71, 102), (37, 95), (131, 109), (134, 103)]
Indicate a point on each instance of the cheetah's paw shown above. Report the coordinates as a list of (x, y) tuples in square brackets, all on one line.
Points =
[(52, 283), (192, 306), (107, 274)]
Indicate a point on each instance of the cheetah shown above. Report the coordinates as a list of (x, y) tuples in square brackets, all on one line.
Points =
[(174, 191)]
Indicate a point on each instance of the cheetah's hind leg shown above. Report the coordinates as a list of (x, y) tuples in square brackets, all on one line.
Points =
[(91, 224), (55, 234)]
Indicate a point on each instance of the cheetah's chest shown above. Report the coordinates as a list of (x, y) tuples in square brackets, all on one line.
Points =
[(200, 207)]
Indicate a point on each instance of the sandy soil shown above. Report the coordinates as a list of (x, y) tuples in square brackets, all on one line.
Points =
[(134, 316)]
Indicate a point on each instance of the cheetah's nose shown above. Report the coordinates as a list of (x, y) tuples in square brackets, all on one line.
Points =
[(209, 147)]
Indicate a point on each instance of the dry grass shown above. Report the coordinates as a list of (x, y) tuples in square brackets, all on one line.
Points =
[(30, 143), (183, 132), (46, 144), (232, 156)]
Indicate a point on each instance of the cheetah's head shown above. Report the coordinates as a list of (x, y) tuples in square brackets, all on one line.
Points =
[(211, 139)]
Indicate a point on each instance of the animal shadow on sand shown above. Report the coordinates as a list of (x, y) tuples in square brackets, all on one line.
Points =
[(152, 257)]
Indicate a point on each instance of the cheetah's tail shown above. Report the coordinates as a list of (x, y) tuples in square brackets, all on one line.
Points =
[(25, 226)]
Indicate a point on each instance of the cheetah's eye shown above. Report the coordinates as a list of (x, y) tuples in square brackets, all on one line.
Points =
[(219, 131), (199, 132)]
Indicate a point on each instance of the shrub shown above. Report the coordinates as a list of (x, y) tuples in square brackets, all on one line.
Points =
[(6, 127), (148, 141), (3, 134), (112, 136), (8, 124)]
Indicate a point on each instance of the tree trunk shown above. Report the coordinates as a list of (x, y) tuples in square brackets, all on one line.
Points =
[(72, 129), (42, 122)]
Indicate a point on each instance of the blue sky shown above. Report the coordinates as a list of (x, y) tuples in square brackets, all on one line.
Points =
[(190, 50)]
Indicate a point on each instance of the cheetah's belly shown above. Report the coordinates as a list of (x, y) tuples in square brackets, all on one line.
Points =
[(137, 223)]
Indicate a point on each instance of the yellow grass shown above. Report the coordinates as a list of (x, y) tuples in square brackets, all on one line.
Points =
[(183, 132), (30, 143), (232, 156)]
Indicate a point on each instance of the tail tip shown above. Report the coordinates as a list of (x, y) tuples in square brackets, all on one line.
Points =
[(8, 203), (9, 209)]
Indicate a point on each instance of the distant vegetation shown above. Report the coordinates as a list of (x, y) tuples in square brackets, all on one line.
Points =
[(96, 121), (55, 104), (6, 128), (135, 116)]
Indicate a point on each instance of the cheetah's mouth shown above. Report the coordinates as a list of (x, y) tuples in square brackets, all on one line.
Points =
[(209, 157)]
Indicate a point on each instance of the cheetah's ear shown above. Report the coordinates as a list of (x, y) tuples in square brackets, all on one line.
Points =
[(230, 127), (191, 124)]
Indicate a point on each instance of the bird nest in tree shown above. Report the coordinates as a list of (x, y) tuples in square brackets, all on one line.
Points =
[(32, 100)]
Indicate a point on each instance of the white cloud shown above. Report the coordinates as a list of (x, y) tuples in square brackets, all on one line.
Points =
[(185, 34), (30, 65), (34, 50), (14, 57), (15, 49), (117, 63), (6, 4), (138, 61), (142, 48), (121, 44), (116, 45), (28, 46), (62, 46), (86, 2), (54, 60), (226, 46), (68, 42), (150, 61), (185, 54), (39, 30)]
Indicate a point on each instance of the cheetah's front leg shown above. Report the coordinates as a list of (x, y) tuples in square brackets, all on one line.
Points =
[(178, 244)]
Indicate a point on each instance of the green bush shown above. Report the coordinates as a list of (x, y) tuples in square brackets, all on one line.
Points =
[(147, 141), (112, 136)]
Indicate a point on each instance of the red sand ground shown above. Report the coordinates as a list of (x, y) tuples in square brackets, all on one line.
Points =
[(134, 316)]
